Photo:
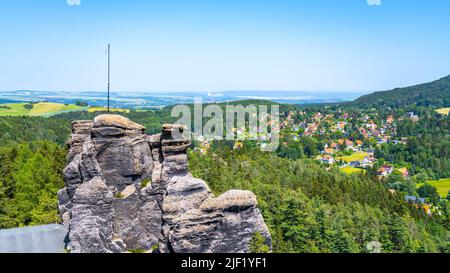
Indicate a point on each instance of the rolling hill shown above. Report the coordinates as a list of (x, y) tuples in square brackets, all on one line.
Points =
[(435, 94), (44, 109)]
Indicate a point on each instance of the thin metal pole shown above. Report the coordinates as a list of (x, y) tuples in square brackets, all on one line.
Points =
[(109, 71)]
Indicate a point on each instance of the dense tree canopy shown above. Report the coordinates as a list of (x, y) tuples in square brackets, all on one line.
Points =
[(30, 176), (310, 209), (436, 94)]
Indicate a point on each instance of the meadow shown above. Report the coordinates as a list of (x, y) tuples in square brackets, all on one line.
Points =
[(45, 109), (442, 186), (443, 111), (352, 170), (358, 156)]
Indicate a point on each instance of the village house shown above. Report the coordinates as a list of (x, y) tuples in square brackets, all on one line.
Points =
[(327, 159), (312, 128), (238, 145), (368, 161), (340, 126), (371, 126), (390, 119), (413, 117), (421, 203), (364, 133), (355, 164), (349, 143), (386, 170), (382, 140), (318, 116), (404, 172), (375, 132), (414, 199)]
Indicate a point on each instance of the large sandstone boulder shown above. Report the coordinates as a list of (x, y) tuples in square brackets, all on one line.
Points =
[(129, 191), (223, 224)]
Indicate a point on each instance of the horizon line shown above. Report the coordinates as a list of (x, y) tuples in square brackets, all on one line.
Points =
[(193, 91)]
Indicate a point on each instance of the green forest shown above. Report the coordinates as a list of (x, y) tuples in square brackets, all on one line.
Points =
[(435, 94), (30, 176), (309, 207)]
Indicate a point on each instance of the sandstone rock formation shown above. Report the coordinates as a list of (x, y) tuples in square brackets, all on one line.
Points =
[(126, 191)]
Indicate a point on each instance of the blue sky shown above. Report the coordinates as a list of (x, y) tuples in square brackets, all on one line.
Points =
[(219, 45)]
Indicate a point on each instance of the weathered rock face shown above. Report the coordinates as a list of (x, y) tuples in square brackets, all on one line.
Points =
[(223, 224), (129, 191)]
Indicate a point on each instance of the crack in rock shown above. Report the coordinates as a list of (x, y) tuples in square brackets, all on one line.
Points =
[(106, 209)]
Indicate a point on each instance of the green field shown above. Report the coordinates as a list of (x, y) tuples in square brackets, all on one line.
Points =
[(442, 186), (443, 111), (352, 170), (38, 109), (359, 156)]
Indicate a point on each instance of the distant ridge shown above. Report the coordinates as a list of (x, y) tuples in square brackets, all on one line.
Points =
[(435, 94)]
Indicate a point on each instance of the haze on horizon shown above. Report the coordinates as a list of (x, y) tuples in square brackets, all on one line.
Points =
[(215, 46)]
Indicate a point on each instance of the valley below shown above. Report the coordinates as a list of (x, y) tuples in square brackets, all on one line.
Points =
[(346, 175)]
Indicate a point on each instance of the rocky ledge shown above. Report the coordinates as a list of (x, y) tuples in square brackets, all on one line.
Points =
[(127, 191)]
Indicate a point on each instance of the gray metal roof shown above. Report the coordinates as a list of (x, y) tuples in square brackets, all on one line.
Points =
[(415, 199), (38, 239)]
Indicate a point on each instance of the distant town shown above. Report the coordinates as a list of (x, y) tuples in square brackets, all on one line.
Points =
[(156, 100)]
